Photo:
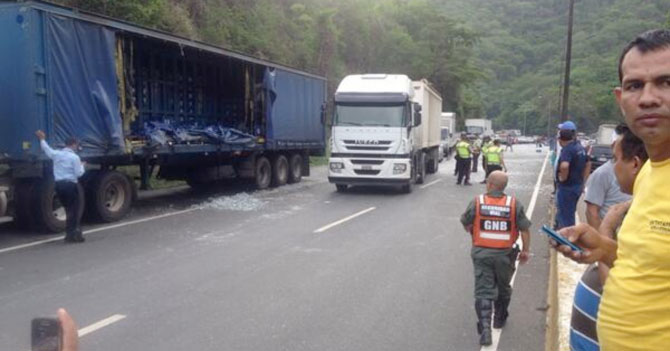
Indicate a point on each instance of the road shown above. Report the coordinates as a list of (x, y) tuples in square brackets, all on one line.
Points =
[(301, 267)]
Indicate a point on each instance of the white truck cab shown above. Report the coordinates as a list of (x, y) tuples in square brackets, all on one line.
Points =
[(377, 138)]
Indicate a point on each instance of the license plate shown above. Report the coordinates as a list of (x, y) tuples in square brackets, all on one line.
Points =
[(366, 167)]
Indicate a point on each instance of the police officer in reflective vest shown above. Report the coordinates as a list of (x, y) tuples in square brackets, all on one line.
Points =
[(494, 158), (464, 153), (495, 220)]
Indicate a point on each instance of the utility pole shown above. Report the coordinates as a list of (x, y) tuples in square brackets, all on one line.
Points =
[(568, 57)]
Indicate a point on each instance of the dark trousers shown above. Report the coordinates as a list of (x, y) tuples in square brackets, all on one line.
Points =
[(68, 194), (463, 170), (475, 162), (566, 204), (492, 168), (457, 158)]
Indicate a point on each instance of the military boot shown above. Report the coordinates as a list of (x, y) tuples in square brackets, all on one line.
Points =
[(501, 313), (484, 309)]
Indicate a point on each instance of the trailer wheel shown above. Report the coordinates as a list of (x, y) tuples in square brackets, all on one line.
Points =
[(263, 173), (3, 203), (433, 164), (421, 169), (280, 170), (109, 195), (295, 172), (49, 213), (23, 216)]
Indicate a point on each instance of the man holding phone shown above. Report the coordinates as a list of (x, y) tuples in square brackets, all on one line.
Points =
[(634, 312), (495, 220)]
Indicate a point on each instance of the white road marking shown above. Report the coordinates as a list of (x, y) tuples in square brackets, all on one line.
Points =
[(141, 220), (101, 324), (431, 183), (496, 333), (326, 227)]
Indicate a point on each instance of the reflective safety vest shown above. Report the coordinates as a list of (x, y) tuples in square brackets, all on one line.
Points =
[(493, 155), (486, 147), (495, 222), (463, 149)]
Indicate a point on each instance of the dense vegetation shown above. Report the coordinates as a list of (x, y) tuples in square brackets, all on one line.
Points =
[(500, 59)]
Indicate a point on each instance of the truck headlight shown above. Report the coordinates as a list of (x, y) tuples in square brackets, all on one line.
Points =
[(399, 168), (336, 167)]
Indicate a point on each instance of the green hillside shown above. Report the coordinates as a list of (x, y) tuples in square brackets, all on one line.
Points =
[(500, 59)]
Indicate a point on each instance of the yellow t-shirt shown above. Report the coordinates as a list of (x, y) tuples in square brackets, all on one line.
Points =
[(635, 308)]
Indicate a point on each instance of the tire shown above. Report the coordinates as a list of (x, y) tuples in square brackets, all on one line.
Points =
[(3, 204), (262, 173), (295, 169), (280, 171), (23, 214), (109, 196), (48, 213), (407, 188), (341, 188), (421, 169)]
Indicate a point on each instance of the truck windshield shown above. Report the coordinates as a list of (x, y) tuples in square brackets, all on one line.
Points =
[(474, 130), (369, 115)]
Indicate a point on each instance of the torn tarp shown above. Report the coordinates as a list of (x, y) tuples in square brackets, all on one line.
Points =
[(164, 133)]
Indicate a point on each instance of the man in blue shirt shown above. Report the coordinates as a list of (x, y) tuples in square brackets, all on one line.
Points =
[(67, 169), (572, 171)]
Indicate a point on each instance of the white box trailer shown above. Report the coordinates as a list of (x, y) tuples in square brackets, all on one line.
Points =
[(606, 134), (431, 113)]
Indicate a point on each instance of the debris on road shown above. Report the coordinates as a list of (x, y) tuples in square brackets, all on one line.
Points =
[(238, 202)]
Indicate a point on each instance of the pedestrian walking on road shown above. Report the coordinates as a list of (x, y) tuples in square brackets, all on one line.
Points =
[(464, 152), (494, 159), (510, 143), (487, 143), (494, 220), (476, 151), (573, 169), (67, 169)]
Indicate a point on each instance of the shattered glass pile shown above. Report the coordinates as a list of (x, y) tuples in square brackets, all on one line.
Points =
[(168, 133)]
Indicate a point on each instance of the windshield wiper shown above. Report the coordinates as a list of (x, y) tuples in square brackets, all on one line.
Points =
[(378, 125), (349, 124)]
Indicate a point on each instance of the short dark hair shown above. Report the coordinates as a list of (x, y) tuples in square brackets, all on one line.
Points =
[(631, 145), (70, 141), (566, 134), (648, 41), (496, 142)]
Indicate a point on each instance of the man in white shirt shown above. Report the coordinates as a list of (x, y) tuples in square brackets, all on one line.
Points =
[(67, 169)]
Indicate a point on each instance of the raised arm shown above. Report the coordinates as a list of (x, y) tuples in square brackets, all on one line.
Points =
[(43, 143)]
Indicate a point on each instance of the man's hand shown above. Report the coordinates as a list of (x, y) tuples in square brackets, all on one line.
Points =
[(468, 228), (597, 248), (70, 333), (524, 256), (40, 135)]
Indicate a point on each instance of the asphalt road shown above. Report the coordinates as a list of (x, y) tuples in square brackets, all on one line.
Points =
[(273, 270)]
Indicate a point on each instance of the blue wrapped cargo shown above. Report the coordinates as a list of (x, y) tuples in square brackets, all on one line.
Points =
[(135, 96)]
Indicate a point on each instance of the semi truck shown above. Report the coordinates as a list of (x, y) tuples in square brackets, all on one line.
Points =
[(144, 101), (448, 138), (386, 131), (478, 126)]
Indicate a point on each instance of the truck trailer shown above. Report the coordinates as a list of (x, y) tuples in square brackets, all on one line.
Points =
[(478, 126), (448, 137), (386, 131), (171, 106)]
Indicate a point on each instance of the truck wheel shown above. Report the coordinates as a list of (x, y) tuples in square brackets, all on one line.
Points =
[(23, 215), (49, 213), (109, 195), (263, 174), (341, 188), (280, 170), (421, 169), (407, 188), (434, 163), (295, 171), (3, 203)]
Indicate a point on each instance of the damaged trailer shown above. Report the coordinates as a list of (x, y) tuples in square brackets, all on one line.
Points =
[(173, 107)]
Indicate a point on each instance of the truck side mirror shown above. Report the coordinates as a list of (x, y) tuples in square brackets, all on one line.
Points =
[(417, 118), (417, 107)]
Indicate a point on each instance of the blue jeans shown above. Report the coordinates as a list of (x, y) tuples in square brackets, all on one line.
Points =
[(566, 204)]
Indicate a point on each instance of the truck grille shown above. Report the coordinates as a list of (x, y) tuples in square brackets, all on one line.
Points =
[(366, 171), (367, 162), (368, 145)]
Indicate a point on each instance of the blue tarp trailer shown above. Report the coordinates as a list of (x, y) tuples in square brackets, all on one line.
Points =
[(136, 96)]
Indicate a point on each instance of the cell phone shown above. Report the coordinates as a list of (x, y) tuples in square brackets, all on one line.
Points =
[(46, 334), (560, 239)]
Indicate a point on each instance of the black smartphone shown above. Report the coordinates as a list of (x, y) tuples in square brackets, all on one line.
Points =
[(46, 334)]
